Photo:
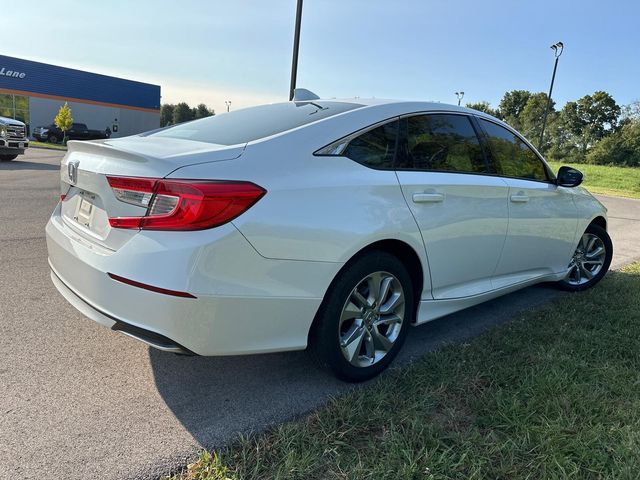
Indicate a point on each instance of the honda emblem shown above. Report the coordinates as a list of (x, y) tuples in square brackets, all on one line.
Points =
[(72, 170)]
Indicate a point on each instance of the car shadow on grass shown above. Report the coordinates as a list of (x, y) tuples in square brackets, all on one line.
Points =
[(217, 398)]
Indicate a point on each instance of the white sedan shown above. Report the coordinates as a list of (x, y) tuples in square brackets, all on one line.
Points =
[(329, 224)]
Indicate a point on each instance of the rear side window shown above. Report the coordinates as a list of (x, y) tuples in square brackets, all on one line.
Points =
[(375, 148), (441, 142), (248, 124), (512, 157)]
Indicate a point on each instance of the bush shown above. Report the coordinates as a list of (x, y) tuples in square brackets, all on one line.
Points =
[(619, 148)]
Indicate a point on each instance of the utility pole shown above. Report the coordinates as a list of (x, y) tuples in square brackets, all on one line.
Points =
[(460, 96), (296, 47), (557, 51), (228, 104)]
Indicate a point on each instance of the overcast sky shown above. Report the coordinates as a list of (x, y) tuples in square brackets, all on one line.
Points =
[(240, 50)]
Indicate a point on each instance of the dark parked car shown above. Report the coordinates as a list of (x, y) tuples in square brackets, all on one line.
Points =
[(78, 131)]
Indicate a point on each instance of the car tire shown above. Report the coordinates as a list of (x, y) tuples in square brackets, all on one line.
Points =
[(589, 264), (52, 139), (7, 158), (364, 318)]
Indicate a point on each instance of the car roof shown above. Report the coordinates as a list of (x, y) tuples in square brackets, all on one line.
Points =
[(407, 107), (411, 105)]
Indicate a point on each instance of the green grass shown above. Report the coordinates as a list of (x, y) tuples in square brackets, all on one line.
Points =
[(618, 181), (553, 394), (55, 146)]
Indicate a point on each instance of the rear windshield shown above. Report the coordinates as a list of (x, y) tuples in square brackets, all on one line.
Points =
[(253, 123)]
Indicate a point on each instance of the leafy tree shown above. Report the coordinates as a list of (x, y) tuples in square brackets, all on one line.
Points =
[(166, 114), (621, 147), (590, 119), (631, 111), (512, 105), (202, 111), (182, 113), (171, 114), (531, 117), (485, 107), (64, 120), (559, 142)]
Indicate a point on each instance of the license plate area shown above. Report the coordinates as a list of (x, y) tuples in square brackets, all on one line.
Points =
[(85, 210)]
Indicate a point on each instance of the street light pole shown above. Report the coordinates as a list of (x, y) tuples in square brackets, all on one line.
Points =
[(557, 51), (460, 96), (296, 45)]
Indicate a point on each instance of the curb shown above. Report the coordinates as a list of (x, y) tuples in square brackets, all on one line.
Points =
[(47, 148)]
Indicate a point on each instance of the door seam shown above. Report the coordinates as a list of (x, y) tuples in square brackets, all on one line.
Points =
[(504, 240), (424, 244)]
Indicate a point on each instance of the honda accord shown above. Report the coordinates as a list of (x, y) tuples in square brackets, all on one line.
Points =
[(333, 225)]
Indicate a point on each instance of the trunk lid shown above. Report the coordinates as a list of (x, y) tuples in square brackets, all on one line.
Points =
[(89, 199)]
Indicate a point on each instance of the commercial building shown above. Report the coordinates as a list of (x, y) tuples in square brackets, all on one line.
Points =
[(33, 93)]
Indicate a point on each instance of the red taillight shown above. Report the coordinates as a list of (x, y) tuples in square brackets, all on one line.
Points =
[(183, 204)]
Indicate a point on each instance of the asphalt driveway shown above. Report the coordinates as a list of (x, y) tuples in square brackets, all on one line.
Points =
[(78, 401)]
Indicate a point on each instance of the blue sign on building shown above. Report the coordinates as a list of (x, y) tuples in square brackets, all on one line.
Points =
[(25, 77)]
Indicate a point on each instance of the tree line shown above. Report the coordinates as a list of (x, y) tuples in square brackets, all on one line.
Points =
[(593, 129), (170, 113)]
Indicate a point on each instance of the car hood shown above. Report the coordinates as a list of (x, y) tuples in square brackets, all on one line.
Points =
[(10, 121)]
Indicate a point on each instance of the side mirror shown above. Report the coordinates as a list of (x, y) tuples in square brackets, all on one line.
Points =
[(569, 177)]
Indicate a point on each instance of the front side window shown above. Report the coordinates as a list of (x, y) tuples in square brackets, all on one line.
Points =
[(513, 157), (442, 142), (374, 148)]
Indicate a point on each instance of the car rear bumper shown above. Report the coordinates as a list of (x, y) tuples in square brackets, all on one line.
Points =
[(146, 336), (244, 303)]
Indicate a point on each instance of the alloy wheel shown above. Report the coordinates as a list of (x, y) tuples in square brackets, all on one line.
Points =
[(587, 260), (371, 319)]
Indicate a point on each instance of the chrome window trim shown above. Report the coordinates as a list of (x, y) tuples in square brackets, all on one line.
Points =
[(343, 142), (328, 151)]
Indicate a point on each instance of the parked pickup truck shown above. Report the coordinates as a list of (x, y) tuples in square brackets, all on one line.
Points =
[(78, 131), (13, 138)]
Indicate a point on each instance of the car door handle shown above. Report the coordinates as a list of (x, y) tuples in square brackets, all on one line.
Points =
[(428, 197), (520, 198)]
